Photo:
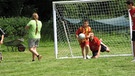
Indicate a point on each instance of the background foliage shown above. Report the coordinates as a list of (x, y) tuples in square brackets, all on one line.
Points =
[(14, 26), (15, 14), (24, 8)]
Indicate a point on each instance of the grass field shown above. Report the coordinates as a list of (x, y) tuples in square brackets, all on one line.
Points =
[(20, 64)]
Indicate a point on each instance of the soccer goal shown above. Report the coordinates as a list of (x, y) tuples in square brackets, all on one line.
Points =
[(108, 19)]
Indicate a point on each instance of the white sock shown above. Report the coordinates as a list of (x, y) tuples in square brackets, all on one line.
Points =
[(84, 58)]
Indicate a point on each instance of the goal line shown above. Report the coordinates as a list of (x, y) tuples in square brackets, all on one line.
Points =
[(114, 55)]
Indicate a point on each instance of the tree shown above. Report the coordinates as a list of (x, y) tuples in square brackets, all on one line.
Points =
[(13, 8)]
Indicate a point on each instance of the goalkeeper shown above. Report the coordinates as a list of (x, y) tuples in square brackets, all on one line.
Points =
[(96, 46), (84, 43)]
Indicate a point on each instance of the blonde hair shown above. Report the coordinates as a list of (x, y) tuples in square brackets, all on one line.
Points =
[(35, 17)]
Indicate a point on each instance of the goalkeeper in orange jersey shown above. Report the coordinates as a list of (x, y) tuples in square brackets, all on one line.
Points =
[(84, 43)]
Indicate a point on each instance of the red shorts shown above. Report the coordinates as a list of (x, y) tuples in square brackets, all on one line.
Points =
[(83, 44)]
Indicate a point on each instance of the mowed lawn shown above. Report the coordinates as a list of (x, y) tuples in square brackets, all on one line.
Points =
[(20, 64)]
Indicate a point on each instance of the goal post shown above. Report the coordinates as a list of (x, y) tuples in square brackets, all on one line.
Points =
[(108, 19), (130, 24)]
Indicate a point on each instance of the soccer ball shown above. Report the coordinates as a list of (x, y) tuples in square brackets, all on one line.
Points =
[(81, 36)]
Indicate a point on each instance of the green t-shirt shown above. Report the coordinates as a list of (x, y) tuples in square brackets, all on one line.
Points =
[(32, 29)]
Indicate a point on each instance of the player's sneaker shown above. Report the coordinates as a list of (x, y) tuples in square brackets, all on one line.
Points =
[(33, 59), (1, 58), (87, 57), (133, 60), (84, 57), (39, 57)]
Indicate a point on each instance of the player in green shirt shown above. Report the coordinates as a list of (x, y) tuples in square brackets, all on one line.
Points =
[(34, 27)]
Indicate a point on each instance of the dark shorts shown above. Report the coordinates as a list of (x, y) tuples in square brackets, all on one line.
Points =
[(103, 49), (133, 35), (33, 42)]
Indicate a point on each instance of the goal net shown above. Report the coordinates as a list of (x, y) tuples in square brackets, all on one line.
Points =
[(108, 19)]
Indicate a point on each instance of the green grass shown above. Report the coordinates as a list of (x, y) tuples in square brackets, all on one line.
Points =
[(20, 64)]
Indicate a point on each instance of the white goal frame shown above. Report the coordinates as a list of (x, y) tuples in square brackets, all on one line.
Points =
[(55, 27)]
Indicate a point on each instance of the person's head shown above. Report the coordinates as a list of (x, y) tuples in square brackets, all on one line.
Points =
[(91, 36), (85, 23), (129, 3), (35, 16)]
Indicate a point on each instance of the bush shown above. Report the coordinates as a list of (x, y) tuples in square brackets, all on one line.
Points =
[(14, 27), (47, 31)]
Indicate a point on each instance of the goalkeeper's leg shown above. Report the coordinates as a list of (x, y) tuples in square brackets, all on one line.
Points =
[(134, 49), (83, 53), (133, 43), (133, 52), (105, 46), (87, 51)]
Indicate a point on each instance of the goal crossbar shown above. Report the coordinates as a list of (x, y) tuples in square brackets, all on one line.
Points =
[(78, 1)]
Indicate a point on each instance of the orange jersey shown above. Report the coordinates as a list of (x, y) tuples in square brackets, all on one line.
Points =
[(94, 44), (85, 30)]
